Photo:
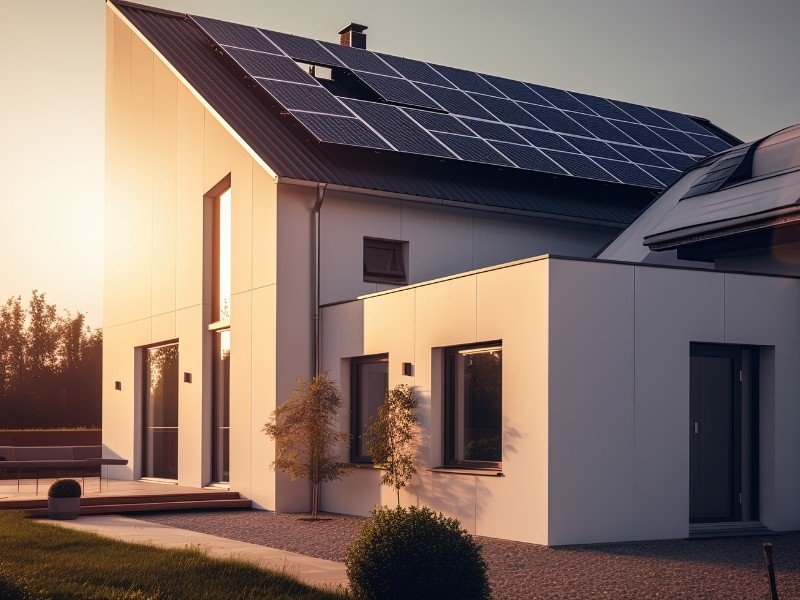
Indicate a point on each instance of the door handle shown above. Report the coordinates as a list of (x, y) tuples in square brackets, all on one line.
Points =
[(696, 427)]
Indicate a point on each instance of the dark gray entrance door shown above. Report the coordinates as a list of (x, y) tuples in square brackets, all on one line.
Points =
[(715, 434)]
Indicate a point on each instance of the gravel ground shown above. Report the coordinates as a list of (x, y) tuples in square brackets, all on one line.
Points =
[(710, 568)]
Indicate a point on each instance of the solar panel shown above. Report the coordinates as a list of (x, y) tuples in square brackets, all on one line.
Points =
[(359, 59), (712, 143), (270, 66), (453, 113), (665, 176), (678, 161), (468, 81), (527, 157), (603, 107), (493, 131), (628, 173), (506, 111), (473, 149), (560, 98), (579, 165), (516, 90), (594, 148), (456, 102), (643, 135), (600, 128), (682, 141), (556, 120), (397, 128), (348, 131), (302, 49), (436, 121), (298, 96), (397, 90), (680, 121), (240, 36), (639, 155), (415, 70), (546, 139)]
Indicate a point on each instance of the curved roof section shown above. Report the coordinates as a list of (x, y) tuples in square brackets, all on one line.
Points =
[(288, 148), (752, 187)]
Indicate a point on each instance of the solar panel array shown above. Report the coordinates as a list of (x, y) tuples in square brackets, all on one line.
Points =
[(434, 110)]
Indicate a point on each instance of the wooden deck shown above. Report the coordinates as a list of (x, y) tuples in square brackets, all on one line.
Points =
[(119, 497)]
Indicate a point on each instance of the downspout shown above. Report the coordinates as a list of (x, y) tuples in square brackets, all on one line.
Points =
[(316, 347)]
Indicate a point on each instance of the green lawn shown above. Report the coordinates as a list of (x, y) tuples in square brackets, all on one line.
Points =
[(40, 561)]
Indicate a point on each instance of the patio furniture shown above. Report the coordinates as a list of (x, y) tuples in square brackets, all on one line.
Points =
[(42, 459)]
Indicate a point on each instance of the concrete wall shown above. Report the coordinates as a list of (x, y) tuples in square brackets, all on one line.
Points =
[(165, 150), (441, 240), (595, 392), (619, 393), (413, 325)]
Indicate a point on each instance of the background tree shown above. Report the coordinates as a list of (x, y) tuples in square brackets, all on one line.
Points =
[(392, 437), (307, 436), (50, 366)]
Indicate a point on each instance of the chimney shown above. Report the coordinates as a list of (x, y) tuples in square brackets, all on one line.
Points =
[(353, 35)]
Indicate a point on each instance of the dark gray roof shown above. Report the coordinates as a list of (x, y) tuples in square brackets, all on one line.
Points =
[(293, 153)]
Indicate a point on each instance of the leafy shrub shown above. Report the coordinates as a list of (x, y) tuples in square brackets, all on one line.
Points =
[(64, 488), (416, 553)]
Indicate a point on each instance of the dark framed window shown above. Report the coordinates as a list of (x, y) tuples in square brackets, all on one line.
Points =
[(474, 405), (384, 261), (369, 382)]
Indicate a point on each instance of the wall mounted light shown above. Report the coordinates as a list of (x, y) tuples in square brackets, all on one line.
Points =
[(118, 385), (408, 369), (187, 378)]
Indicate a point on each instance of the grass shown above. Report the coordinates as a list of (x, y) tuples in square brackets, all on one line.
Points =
[(40, 561)]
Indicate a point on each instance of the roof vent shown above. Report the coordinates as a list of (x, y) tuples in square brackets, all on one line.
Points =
[(353, 35)]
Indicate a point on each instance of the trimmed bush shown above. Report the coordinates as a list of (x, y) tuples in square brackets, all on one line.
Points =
[(64, 488), (416, 553)]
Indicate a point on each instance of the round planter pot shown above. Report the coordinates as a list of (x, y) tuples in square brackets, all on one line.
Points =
[(64, 508)]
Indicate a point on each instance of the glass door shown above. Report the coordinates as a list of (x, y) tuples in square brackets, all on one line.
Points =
[(160, 414), (221, 416)]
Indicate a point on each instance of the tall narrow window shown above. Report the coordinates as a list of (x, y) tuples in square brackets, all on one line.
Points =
[(474, 406), (160, 414), (222, 257), (222, 406), (369, 383)]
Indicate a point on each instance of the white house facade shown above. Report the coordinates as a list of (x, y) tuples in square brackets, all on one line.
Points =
[(603, 344)]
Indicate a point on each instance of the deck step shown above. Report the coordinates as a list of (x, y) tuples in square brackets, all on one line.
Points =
[(107, 509), (87, 501), (729, 529)]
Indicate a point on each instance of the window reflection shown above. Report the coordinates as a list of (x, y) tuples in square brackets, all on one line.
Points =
[(160, 415), (221, 406)]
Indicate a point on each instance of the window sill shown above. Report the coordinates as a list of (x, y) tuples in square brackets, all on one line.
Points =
[(361, 465), (477, 472)]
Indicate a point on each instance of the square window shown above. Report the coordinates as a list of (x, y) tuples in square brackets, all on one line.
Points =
[(384, 261), (474, 406), (369, 383)]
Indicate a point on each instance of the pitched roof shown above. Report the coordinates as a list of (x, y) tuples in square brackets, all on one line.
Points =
[(280, 135)]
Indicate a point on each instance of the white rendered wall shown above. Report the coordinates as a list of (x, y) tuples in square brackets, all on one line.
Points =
[(442, 240), (412, 325), (619, 462)]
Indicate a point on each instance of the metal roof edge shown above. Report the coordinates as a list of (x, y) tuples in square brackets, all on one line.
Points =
[(453, 203)]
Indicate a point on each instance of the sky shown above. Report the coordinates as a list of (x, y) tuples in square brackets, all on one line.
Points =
[(732, 61)]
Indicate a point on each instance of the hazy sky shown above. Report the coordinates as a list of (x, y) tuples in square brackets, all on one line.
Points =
[(733, 61)]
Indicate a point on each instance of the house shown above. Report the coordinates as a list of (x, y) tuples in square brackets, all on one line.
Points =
[(585, 292)]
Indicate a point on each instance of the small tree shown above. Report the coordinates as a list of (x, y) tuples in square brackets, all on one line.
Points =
[(392, 436), (306, 434)]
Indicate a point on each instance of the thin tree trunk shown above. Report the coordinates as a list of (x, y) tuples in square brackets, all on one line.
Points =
[(398, 497), (314, 500)]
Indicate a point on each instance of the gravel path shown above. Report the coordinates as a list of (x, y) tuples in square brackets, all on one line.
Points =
[(711, 568)]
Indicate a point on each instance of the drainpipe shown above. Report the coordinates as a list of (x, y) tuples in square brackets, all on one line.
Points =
[(317, 333)]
